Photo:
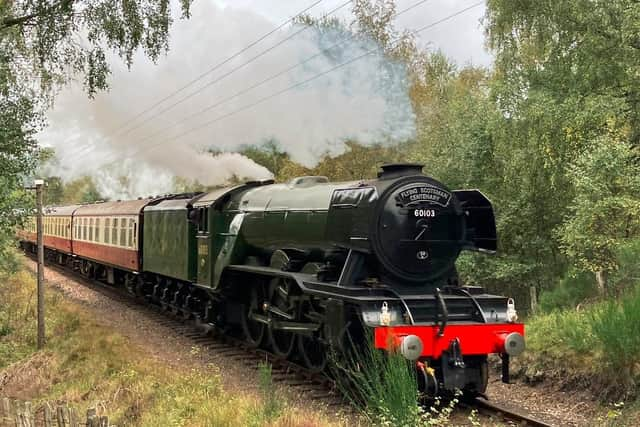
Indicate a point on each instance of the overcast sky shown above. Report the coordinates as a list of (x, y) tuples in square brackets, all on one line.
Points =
[(461, 38)]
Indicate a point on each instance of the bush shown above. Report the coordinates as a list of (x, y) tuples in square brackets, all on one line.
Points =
[(615, 324), (383, 385), (598, 344), (574, 288), (628, 273)]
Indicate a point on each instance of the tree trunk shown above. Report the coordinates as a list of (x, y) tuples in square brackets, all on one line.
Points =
[(601, 279), (533, 299)]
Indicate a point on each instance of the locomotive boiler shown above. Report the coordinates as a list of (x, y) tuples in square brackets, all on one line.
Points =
[(307, 267)]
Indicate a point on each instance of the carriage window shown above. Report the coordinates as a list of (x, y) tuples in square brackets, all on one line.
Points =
[(130, 233), (123, 232), (107, 230), (114, 232), (84, 228), (135, 234), (96, 229)]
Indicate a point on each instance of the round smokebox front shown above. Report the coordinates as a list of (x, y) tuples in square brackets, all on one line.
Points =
[(419, 230)]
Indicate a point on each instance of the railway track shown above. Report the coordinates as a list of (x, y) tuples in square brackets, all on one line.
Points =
[(284, 372), (507, 415), (209, 337)]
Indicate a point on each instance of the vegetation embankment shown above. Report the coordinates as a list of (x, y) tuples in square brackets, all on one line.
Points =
[(583, 340), (86, 364)]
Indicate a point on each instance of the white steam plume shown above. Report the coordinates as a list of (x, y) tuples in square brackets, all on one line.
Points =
[(367, 101)]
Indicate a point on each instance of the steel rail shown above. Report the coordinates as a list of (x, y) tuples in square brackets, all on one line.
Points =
[(219, 343), (496, 410)]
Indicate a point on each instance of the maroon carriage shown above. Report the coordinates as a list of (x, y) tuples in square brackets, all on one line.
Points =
[(56, 226), (109, 233)]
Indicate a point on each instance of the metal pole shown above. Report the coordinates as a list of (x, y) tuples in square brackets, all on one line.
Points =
[(39, 183)]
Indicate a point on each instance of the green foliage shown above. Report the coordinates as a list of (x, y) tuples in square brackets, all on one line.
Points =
[(18, 150), (602, 335), (42, 35), (615, 323), (268, 154), (272, 401), (80, 190), (574, 288), (606, 209), (39, 51), (628, 272), (383, 385), (357, 162)]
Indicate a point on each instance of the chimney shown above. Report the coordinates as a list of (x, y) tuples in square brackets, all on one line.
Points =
[(396, 170)]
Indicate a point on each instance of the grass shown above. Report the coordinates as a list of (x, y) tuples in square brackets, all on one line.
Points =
[(384, 386), (272, 401), (86, 364), (597, 347)]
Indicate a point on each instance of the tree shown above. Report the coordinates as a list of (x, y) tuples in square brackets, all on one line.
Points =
[(566, 80), (357, 162), (18, 148), (45, 43), (605, 215), (80, 190), (57, 39), (268, 154)]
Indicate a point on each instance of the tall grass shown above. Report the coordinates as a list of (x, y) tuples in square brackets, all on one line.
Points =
[(600, 344), (272, 405), (88, 364), (616, 325), (383, 385)]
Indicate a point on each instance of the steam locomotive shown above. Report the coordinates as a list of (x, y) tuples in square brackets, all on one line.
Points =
[(307, 267)]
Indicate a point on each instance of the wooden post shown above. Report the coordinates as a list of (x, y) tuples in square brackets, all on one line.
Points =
[(73, 418), (48, 419), (92, 419), (60, 416), (41, 337), (29, 415), (6, 408), (533, 296)]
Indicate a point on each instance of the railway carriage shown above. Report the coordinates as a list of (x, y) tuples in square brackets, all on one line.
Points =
[(56, 224), (309, 267), (108, 233)]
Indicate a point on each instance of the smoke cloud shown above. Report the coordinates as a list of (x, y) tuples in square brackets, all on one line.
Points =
[(367, 101)]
